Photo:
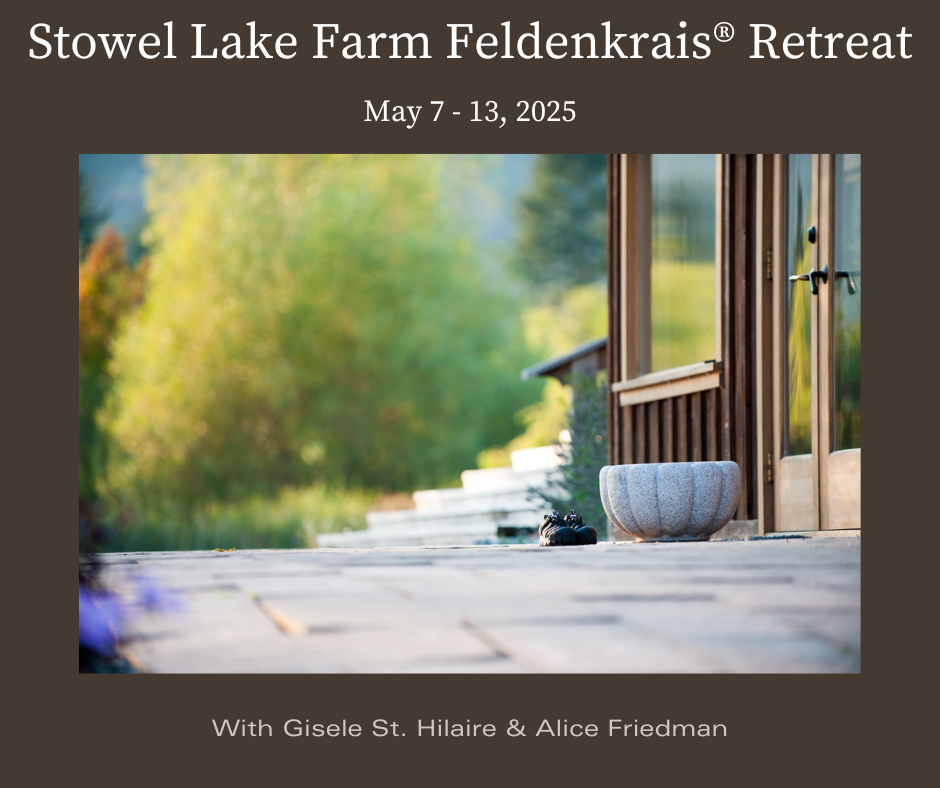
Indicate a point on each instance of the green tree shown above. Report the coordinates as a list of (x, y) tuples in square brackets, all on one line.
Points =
[(563, 221), (308, 318)]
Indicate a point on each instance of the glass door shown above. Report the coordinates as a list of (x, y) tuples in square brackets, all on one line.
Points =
[(817, 359)]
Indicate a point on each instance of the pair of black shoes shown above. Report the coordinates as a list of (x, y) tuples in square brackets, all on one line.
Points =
[(556, 531)]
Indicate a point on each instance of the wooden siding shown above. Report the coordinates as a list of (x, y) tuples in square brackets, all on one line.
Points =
[(715, 422), (614, 340), (677, 429)]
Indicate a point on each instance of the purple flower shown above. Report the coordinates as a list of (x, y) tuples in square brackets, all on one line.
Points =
[(152, 597), (99, 620)]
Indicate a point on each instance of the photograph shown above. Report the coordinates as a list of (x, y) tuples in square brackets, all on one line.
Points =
[(442, 413)]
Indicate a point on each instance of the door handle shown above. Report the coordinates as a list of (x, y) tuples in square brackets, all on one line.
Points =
[(850, 275), (811, 277)]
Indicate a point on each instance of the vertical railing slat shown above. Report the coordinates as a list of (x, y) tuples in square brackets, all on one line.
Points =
[(652, 441), (668, 406), (682, 428), (639, 433), (696, 423), (711, 425), (627, 448)]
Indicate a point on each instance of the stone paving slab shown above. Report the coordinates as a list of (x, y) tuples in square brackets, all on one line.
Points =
[(739, 606)]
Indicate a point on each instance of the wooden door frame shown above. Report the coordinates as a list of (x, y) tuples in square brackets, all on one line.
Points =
[(772, 399), (763, 296), (822, 366), (833, 509), (779, 394)]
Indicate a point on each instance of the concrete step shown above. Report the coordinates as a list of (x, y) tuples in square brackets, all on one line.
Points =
[(454, 531), (386, 522), (530, 468), (503, 479), (411, 518), (460, 500), (539, 458), (473, 532), (490, 499)]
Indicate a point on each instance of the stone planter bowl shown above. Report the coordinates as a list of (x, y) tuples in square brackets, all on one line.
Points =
[(671, 501)]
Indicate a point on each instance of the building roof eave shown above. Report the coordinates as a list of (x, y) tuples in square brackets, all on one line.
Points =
[(556, 364)]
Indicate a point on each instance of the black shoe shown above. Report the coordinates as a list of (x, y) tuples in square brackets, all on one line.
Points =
[(558, 531), (584, 534), (555, 532)]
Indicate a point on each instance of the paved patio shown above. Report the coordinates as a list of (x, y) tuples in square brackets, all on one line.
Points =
[(753, 606)]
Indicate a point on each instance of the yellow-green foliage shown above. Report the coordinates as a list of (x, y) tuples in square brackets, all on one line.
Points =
[(572, 317), (291, 519), (108, 290), (308, 317), (682, 313), (799, 361), (543, 421)]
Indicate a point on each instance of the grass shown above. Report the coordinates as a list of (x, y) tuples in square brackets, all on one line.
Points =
[(292, 519)]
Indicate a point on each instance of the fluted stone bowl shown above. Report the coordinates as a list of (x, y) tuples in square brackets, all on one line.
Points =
[(671, 501)]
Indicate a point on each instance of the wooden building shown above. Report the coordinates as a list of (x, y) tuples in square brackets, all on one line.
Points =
[(734, 287), (586, 359)]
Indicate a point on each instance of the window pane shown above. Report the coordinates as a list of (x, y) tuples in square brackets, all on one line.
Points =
[(682, 273), (799, 306), (847, 305)]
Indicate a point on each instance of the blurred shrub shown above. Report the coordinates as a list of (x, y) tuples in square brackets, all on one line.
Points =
[(558, 324), (566, 319), (291, 519), (108, 290), (575, 485), (308, 318), (542, 422)]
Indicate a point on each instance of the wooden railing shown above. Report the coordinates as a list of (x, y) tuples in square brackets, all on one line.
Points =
[(671, 416)]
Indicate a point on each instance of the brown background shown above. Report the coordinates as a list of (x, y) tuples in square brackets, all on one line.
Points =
[(157, 729)]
